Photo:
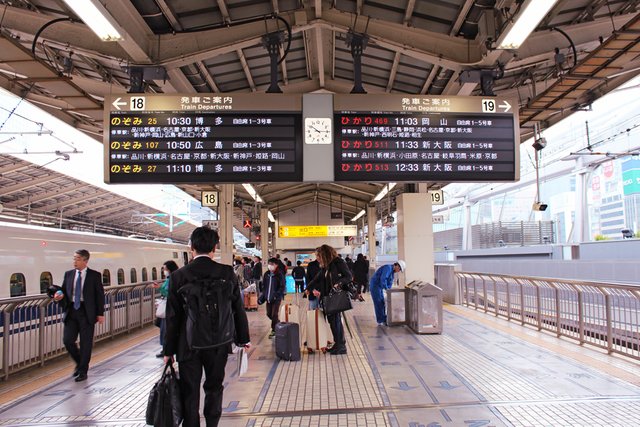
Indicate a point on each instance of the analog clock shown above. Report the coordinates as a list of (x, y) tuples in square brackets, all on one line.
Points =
[(318, 130)]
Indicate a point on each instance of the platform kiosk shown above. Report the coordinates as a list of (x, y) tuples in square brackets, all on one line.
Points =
[(424, 307)]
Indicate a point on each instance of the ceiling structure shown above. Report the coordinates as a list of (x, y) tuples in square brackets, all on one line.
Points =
[(580, 51)]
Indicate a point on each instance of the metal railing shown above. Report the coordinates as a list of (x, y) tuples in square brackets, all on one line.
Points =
[(31, 327), (497, 234), (605, 315)]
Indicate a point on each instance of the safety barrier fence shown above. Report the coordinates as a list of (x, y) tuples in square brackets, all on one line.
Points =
[(605, 315), (31, 327)]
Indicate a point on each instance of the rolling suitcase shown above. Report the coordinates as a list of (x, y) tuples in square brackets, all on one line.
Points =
[(288, 341), (289, 313), (318, 332), (250, 301)]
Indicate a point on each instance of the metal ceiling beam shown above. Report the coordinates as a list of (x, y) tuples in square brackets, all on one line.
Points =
[(169, 14), (110, 199), (283, 190), (356, 190), (394, 70), (317, 5), (45, 195), (427, 83), (245, 68), (320, 54), (101, 213), (25, 185), (223, 10), (462, 15), (204, 71), (408, 12)]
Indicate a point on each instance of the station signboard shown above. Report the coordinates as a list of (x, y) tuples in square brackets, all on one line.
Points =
[(198, 138), (425, 138), (317, 230)]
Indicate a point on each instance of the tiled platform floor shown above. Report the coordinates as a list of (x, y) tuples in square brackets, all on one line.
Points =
[(481, 371)]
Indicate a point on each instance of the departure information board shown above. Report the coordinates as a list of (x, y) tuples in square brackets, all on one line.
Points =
[(424, 138), (199, 138)]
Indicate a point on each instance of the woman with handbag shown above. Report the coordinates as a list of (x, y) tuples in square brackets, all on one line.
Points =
[(334, 274), (167, 268)]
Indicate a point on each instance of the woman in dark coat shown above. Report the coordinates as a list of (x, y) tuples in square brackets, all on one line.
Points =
[(272, 292), (361, 274), (334, 272)]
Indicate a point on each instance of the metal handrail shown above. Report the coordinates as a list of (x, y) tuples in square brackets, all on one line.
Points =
[(32, 326), (602, 314)]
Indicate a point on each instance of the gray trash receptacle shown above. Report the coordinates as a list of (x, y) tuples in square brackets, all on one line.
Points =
[(397, 306), (424, 308)]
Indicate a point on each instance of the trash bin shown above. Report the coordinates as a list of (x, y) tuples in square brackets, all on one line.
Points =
[(424, 308), (396, 306)]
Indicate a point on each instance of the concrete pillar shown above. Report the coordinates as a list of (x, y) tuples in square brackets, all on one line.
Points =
[(264, 235), (415, 236), (580, 225), (226, 223), (372, 216)]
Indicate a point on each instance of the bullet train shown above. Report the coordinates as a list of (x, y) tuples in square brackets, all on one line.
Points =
[(32, 258)]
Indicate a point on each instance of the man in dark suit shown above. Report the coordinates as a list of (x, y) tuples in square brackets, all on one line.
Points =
[(213, 360), (82, 299)]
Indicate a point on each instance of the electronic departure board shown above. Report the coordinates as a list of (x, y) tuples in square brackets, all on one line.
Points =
[(425, 138), (200, 138)]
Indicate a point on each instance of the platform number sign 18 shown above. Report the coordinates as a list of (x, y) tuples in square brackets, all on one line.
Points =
[(209, 198), (137, 103), (489, 106), (437, 197)]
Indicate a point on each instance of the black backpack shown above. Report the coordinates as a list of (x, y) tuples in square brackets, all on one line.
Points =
[(208, 311)]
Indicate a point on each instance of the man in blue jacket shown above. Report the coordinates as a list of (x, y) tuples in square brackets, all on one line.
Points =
[(383, 279)]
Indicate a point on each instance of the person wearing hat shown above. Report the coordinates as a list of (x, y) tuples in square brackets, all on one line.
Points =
[(383, 279)]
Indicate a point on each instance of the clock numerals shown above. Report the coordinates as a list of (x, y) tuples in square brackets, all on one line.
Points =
[(318, 130)]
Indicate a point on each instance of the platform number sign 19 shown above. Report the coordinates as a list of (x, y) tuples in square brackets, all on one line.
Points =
[(437, 197), (489, 106), (137, 103)]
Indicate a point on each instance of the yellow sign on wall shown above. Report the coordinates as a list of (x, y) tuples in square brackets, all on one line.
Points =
[(317, 230)]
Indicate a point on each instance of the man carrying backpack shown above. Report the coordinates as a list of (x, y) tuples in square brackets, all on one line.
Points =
[(201, 339)]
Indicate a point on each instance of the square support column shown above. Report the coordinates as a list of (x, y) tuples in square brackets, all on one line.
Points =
[(226, 223), (415, 236)]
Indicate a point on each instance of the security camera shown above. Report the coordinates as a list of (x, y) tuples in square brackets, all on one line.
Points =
[(539, 206)]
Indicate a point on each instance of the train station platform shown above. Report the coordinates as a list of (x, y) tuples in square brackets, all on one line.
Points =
[(482, 371)]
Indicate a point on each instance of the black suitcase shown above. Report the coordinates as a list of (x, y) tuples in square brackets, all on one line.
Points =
[(288, 341)]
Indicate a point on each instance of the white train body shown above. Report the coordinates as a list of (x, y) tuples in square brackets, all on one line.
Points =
[(32, 258)]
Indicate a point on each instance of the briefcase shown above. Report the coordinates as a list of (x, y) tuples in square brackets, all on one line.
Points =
[(164, 408)]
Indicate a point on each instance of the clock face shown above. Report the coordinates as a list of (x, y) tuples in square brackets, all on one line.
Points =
[(318, 131)]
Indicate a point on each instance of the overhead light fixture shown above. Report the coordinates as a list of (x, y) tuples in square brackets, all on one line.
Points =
[(270, 216), (253, 193), (355, 218), (96, 17), (384, 191), (532, 12)]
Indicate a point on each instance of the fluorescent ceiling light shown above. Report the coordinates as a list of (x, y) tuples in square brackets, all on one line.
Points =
[(362, 212), (384, 191), (270, 216), (253, 193), (96, 17), (530, 16)]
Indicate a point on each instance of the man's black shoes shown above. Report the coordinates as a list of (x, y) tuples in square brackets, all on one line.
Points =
[(81, 377), (76, 373)]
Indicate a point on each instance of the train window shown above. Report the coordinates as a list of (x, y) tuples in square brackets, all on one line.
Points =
[(154, 273), (106, 277), (175, 255), (145, 277), (17, 285), (134, 276), (185, 258), (46, 280), (120, 276)]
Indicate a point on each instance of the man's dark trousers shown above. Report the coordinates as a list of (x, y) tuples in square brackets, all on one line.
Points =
[(77, 323), (213, 361)]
